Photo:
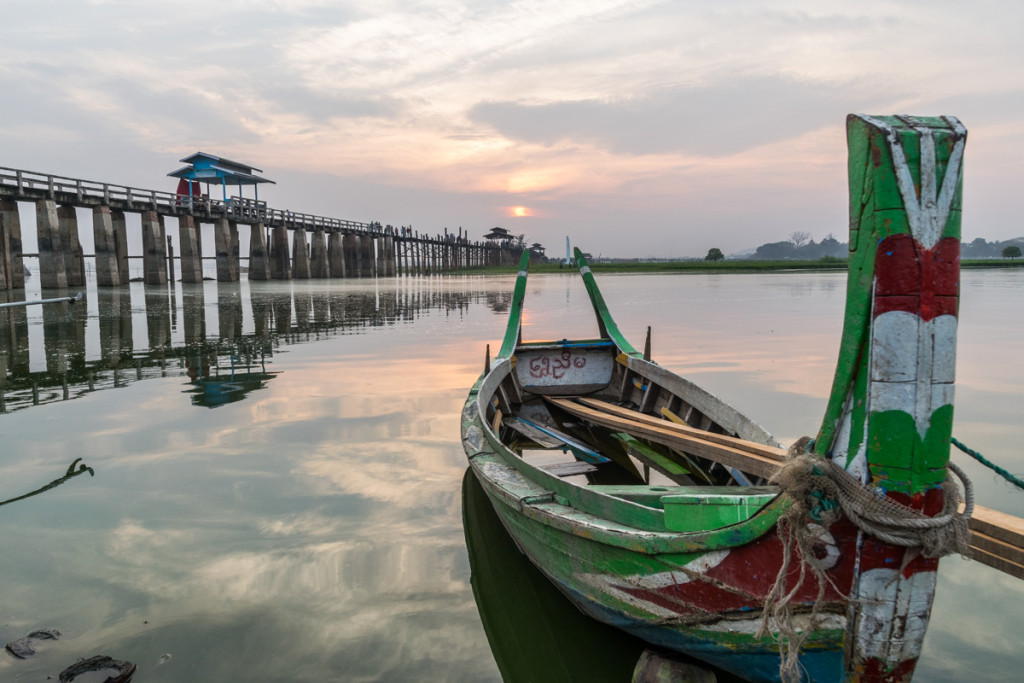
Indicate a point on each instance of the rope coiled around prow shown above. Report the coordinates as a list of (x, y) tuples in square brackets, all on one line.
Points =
[(822, 492)]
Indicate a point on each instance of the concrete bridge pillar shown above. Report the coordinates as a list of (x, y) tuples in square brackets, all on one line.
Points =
[(74, 255), (366, 256), (389, 256), (300, 255), (280, 264), (259, 261), (318, 264), (191, 251), (52, 271), (120, 228), (154, 249), (225, 237), (379, 268), (350, 244), (336, 254), (12, 266), (107, 270)]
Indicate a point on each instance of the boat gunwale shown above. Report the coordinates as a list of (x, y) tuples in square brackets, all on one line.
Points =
[(581, 501)]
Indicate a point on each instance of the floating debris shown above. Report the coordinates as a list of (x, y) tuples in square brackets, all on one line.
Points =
[(121, 669), (22, 647)]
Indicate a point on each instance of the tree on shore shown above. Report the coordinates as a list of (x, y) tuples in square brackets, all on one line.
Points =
[(799, 238), (1011, 251), (714, 254)]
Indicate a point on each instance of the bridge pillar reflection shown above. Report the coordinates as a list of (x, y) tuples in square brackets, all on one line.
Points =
[(14, 335), (115, 324), (229, 312), (193, 308)]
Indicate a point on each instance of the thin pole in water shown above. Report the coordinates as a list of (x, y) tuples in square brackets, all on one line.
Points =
[(58, 300)]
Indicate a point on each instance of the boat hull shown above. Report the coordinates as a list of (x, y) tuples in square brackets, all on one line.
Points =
[(673, 601)]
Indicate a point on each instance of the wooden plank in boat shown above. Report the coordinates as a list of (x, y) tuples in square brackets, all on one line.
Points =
[(569, 469), (673, 435), (750, 446), (985, 522), (567, 441), (532, 433), (996, 562), (649, 455), (998, 525), (993, 546)]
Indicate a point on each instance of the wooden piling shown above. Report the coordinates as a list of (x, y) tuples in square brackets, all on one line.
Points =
[(12, 267), (170, 256), (120, 229), (381, 261), (280, 262), (336, 254), (74, 255), (350, 247), (366, 257), (154, 259), (107, 271), (319, 266), (225, 238), (259, 260), (52, 270), (300, 255), (191, 255)]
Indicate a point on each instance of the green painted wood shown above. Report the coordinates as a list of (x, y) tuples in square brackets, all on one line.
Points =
[(662, 462), (609, 328), (876, 211), (515, 316)]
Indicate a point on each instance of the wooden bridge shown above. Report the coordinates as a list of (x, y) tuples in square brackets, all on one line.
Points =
[(321, 247)]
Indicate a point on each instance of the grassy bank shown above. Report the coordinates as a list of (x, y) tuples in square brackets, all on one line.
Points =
[(727, 266)]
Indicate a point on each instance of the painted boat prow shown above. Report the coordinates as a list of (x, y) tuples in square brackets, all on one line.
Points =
[(697, 564)]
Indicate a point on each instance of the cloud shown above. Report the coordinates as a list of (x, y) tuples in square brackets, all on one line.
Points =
[(714, 120)]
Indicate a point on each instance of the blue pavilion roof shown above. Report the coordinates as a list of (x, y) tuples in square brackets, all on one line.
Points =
[(211, 168)]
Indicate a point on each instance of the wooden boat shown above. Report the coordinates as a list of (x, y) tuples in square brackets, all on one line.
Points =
[(661, 518)]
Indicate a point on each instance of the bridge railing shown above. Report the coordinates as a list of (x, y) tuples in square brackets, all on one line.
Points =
[(30, 184)]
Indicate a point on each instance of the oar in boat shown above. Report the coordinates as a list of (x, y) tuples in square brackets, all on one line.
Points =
[(997, 539)]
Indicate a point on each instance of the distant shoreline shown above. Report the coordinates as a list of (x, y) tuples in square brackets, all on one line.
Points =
[(731, 266)]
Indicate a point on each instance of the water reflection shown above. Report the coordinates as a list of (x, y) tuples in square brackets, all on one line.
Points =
[(217, 386), (535, 633), (50, 353)]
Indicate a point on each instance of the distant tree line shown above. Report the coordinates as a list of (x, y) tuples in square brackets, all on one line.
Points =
[(979, 248), (800, 247)]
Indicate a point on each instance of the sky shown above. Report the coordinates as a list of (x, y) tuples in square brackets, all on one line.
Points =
[(639, 128)]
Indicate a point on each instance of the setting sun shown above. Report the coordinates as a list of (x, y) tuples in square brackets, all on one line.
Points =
[(519, 211)]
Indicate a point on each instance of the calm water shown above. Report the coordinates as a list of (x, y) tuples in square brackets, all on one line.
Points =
[(303, 520)]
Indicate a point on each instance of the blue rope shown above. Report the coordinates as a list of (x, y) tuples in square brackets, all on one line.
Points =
[(991, 465)]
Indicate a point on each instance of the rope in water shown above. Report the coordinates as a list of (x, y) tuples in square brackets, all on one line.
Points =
[(989, 464)]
